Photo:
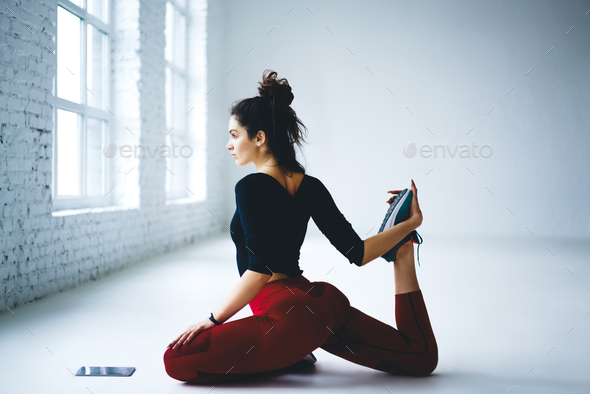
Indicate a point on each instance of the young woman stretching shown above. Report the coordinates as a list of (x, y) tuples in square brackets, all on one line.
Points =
[(293, 316)]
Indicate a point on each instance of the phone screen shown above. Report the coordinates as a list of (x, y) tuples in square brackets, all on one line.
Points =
[(105, 371)]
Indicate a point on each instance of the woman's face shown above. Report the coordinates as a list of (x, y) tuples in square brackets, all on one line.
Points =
[(245, 151)]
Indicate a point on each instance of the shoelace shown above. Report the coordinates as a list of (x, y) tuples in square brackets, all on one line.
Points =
[(419, 243)]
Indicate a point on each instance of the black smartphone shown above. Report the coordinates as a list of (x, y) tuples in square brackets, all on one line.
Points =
[(105, 371)]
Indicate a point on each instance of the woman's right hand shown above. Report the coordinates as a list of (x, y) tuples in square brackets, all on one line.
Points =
[(415, 212)]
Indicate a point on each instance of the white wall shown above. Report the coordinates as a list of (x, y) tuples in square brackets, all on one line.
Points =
[(449, 63), (44, 251)]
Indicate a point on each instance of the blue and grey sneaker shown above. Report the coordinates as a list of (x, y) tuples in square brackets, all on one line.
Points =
[(399, 211), (310, 358), (304, 362)]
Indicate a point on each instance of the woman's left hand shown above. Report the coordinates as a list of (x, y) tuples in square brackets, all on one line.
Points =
[(191, 332)]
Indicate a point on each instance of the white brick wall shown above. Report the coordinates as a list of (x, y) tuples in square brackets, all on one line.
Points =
[(42, 251)]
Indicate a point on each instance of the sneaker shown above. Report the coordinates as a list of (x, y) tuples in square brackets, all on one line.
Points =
[(399, 211), (310, 358), (304, 362)]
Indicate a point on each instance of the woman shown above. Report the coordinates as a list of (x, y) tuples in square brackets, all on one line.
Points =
[(291, 315)]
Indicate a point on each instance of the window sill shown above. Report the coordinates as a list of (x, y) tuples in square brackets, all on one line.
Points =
[(83, 211), (183, 200)]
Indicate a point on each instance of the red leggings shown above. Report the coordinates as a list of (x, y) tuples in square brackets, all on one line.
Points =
[(291, 318)]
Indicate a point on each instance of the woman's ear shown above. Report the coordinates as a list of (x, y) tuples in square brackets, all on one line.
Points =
[(260, 137)]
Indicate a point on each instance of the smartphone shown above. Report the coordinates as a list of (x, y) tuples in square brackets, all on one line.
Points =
[(105, 371)]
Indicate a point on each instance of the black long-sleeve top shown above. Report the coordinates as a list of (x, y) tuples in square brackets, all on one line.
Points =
[(269, 225)]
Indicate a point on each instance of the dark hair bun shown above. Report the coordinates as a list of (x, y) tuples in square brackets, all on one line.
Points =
[(276, 90)]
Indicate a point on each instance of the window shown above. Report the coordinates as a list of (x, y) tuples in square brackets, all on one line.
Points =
[(177, 164), (81, 112)]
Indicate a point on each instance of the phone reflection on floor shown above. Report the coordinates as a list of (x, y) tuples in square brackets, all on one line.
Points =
[(105, 371)]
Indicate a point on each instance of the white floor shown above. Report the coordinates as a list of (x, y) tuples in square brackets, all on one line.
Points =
[(508, 316)]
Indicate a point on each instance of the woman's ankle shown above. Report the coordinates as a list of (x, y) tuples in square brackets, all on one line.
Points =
[(407, 249)]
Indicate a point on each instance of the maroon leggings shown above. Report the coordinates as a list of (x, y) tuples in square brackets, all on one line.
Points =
[(291, 318)]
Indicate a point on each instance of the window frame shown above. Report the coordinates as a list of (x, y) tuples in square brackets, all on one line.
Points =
[(178, 182), (83, 109)]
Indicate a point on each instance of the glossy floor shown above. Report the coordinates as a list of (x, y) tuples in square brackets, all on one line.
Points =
[(509, 315)]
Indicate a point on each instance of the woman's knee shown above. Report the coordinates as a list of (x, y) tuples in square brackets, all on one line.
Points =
[(427, 365), (203, 377), (416, 365), (188, 372), (213, 378), (180, 368)]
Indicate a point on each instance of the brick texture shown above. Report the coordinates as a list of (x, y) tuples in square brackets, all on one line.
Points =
[(43, 251)]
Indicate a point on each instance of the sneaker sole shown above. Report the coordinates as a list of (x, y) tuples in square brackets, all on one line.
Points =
[(398, 212), (391, 217)]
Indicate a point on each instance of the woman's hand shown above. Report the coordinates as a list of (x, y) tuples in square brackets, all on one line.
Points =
[(415, 212), (191, 332)]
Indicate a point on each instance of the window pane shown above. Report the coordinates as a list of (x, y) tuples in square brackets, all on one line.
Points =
[(168, 30), (178, 102), (98, 8), (67, 152), (77, 2), (168, 165), (176, 184), (94, 73), (179, 39), (181, 3), (170, 161), (68, 55), (168, 98), (95, 129)]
